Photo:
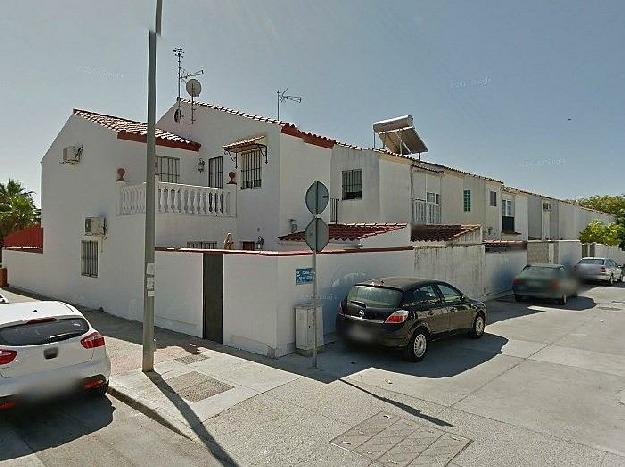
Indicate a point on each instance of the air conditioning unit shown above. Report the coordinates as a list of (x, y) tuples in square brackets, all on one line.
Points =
[(95, 226), (72, 154), (546, 206)]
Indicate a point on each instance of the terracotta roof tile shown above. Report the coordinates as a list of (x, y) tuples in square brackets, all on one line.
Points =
[(443, 232), (136, 131), (350, 232)]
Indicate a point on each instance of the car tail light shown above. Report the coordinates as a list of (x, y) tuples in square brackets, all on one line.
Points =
[(397, 317), (555, 284), (6, 405), (95, 339), (517, 281), (7, 356), (93, 383)]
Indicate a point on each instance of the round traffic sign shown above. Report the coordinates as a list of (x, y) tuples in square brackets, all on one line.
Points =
[(317, 234), (317, 198)]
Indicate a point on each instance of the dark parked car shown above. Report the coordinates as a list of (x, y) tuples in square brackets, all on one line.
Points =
[(407, 313), (552, 281)]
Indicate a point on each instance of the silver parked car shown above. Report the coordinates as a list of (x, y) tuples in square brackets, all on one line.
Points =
[(598, 269)]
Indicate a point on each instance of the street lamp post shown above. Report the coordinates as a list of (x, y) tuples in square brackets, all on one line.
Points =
[(148, 269)]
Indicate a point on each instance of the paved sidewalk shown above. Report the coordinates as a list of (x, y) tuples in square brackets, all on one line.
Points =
[(505, 399)]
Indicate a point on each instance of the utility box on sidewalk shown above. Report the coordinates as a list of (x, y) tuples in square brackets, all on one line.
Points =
[(304, 334)]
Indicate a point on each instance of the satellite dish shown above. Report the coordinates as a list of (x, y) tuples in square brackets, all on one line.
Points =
[(194, 88), (177, 116)]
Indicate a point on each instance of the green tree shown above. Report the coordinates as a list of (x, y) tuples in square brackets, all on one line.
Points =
[(600, 232), (17, 209), (611, 204)]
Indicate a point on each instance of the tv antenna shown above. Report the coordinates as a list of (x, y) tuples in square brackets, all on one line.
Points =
[(193, 89), (283, 97)]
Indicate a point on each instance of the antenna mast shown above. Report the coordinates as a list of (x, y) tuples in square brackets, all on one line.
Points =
[(184, 75), (283, 97)]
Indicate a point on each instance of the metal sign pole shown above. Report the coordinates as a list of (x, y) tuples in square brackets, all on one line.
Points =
[(314, 301), (317, 197)]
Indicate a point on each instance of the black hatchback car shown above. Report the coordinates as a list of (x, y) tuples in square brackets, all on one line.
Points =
[(407, 313)]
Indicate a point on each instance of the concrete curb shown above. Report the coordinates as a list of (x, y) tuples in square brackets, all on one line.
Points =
[(125, 395)]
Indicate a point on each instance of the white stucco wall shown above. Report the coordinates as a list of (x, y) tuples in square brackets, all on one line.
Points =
[(366, 209), (27, 271), (394, 189), (178, 300), (257, 209), (452, 210), (612, 252), (301, 164), (500, 269), (567, 252)]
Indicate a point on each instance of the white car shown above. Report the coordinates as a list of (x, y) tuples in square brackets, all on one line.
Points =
[(48, 349), (598, 269)]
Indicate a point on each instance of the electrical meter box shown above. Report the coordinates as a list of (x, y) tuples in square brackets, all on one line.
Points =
[(304, 334)]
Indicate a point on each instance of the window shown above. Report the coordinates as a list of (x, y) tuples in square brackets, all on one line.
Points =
[(450, 294), (506, 207), (423, 297), (216, 172), (507, 216), (334, 210), (89, 258), (202, 245), (493, 198), (352, 184), (168, 169), (433, 198), (43, 332), (251, 169), (507, 224), (467, 200), (374, 296), (248, 246)]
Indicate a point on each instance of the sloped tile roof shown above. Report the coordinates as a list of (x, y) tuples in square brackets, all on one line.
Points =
[(350, 232), (137, 131), (442, 232)]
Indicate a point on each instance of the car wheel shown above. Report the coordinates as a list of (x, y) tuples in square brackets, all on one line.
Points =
[(417, 347), (478, 326)]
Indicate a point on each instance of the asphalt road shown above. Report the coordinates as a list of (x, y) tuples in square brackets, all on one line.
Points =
[(93, 431), (544, 386)]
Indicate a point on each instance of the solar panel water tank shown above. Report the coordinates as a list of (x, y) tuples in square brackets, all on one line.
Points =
[(398, 135)]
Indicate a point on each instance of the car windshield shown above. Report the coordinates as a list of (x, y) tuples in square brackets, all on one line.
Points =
[(43, 332), (537, 272), (375, 296), (592, 261)]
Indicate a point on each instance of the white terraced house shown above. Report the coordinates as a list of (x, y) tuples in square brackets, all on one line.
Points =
[(229, 172)]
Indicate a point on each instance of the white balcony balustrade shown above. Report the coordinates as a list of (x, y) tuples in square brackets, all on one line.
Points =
[(175, 198), (425, 213)]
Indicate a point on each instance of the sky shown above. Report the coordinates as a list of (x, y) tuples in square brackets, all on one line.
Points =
[(531, 93)]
